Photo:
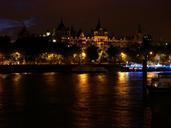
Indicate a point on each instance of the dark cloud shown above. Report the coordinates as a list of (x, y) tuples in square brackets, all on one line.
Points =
[(11, 23), (7, 23)]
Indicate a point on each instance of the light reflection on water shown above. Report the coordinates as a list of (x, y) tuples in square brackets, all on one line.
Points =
[(122, 80), (74, 100), (82, 83)]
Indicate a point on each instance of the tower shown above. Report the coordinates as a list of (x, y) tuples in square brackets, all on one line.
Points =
[(61, 32), (98, 26), (100, 35), (139, 35)]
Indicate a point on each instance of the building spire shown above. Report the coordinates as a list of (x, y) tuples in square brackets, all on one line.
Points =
[(62, 22), (139, 35), (98, 26), (61, 25), (139, 28), (23, 32)]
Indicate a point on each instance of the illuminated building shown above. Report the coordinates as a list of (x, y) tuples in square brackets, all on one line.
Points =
[(100, 35), (61, 33), (82, 38), (139, 35)]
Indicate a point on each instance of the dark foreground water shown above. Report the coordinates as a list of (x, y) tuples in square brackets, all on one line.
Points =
[(62, 100)]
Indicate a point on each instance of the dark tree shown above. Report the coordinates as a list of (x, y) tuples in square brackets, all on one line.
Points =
[(92, 53), (134, 53), (113, 53), (32, 46), (5, 44)]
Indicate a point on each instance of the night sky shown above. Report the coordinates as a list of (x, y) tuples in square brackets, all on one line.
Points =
[(118, 16)]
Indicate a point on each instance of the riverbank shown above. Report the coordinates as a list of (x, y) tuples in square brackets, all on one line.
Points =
[(71, 68), (57, 68)]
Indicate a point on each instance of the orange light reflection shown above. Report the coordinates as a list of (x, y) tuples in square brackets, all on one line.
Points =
[(83, 82), (122, 80)]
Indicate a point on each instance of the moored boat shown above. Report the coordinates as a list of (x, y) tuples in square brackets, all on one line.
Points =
[(161, 83)]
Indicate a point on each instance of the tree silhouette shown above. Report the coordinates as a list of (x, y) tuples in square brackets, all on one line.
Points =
[(92, 53), (113, 53), (5, 45)]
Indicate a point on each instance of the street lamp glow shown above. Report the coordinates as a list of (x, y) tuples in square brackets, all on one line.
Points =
[(123, 56), (54, 40), (83, 54), (151, 53), (48, 33)]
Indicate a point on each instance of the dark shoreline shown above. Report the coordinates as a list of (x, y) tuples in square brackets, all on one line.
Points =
[(52, 67)]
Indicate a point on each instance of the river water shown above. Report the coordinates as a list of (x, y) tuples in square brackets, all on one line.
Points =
[(70, 100)]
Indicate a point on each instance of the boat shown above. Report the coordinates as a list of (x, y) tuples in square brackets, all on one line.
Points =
[(135, 67), (161, 83)]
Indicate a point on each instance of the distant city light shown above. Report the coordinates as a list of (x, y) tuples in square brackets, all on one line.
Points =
[(83, 54), (74, 55), (123, 56), (54, 40), (48, 34), (136, 66)]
